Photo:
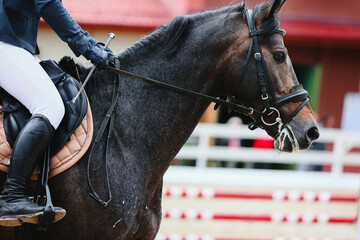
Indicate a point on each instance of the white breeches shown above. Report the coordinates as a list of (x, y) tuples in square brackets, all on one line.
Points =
[(22, 76)]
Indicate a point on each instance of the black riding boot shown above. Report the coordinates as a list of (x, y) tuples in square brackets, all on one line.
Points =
[(29, 147)]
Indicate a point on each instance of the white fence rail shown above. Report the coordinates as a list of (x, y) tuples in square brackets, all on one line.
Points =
[(204, 150)]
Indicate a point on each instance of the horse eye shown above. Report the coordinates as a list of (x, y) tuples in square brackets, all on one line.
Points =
[(279, 57)]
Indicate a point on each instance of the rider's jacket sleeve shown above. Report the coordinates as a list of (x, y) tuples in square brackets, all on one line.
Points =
[(64, 25), (19, 23)]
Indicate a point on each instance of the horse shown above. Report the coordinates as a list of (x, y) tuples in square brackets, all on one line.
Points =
[(210, 53)]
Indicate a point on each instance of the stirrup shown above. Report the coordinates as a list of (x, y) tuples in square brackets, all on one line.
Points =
[(51, 214), (18, 220)]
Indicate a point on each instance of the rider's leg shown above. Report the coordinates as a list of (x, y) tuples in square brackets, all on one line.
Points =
[(22, 76)]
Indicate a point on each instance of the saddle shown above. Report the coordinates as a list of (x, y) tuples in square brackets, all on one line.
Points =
[(72, 138)]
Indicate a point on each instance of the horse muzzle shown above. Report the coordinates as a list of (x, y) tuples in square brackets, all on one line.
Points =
[(296, 136)]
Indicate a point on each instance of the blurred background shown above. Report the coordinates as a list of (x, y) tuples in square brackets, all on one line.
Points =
[(323, 40)]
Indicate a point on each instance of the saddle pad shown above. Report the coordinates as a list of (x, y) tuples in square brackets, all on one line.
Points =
[(72, 151)]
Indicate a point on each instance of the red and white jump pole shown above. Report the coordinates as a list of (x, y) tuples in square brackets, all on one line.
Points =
[(273, 195), (309, 218), (208, 237)]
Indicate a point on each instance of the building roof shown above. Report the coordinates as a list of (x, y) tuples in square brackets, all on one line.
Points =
[(130, 13), (322, 32), (326, 21), (300, 22), (121, 13)]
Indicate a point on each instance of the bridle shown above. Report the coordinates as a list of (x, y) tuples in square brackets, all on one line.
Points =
[(271, 105)]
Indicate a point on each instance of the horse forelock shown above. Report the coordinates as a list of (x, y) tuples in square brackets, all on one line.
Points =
[(268, 23)]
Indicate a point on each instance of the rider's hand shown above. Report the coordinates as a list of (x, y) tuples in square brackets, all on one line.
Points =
[(98, 55)]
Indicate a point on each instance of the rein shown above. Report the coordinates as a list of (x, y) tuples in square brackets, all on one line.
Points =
[(108, 117), (271, 106), (231, 105)]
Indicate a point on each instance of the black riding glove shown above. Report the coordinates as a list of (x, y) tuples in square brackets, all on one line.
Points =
[(98, 55)]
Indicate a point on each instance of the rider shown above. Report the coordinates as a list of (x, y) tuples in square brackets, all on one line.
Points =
[(23, 77)]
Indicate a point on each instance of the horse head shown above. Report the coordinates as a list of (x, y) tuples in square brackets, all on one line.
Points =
[(256, 71)]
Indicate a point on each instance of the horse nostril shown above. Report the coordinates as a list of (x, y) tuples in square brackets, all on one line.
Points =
[(313, 133)]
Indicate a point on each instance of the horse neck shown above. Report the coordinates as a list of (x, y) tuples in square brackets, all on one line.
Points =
[(165, 119), (153, 123)]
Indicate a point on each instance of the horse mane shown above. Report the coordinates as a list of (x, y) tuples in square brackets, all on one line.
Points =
[(173, 34)]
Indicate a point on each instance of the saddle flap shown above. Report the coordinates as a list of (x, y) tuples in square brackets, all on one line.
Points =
[(14, 119), (53, 70), (68, 87), (13, 123)]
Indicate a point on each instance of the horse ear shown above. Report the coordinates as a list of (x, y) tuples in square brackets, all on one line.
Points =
[(276, 6), (269, 9)]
